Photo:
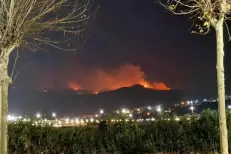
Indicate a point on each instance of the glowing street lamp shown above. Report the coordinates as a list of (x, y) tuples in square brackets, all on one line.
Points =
[(130, 115), (229, 106), (158, 109), (54, 115), (192, 108), (101, 111), (11, 118), (92, 120), (77, 121), (67, 120), (124, 111), (38, 115)]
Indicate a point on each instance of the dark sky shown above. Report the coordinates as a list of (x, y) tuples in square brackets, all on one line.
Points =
[(138, 32)]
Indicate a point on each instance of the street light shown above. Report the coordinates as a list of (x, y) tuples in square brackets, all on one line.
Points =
[(124, 110), (101, 111), (158, 109), (192, 108), (229, 106), (76, 120), (11, 118), (67, 120), (38, 115), (130, 115), (92, 120), (54, 115)]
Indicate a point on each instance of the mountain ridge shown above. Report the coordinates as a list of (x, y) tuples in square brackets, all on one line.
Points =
[(68, 101)]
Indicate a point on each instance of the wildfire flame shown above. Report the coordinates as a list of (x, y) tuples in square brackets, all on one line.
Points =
[(154, 85), (74, 86), (99, 79)]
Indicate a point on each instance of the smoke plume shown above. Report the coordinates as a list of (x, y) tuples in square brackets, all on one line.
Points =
[(101, 79)]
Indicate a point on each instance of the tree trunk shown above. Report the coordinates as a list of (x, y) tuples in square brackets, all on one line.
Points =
[(221, 88), (3, 114), (4, 85)]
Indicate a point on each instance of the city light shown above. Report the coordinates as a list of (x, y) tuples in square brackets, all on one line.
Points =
[(11, 118), (130, 115), (158, 109), (38, 115), (92, 120), (142, 114), (101, 111), (67, 120), (54, 115), (192, 108), (77, 121), (123, 110)]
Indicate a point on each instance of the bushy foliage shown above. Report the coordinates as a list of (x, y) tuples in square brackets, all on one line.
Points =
[(122, 138)]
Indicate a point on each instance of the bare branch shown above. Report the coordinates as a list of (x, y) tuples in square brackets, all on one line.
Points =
[(14, 65), (227, 27), (206, 12), (52, 44), (26, 20), (20, 70)]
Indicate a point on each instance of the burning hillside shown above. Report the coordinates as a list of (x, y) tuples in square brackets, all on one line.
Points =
[(99, 79)]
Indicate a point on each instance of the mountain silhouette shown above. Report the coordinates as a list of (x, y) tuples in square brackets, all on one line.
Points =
[(68, 101)]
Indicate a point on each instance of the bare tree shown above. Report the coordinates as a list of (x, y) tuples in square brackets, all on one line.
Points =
[(209, 14), (26, 22)]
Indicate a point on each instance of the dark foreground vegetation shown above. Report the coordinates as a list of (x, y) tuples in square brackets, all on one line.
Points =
[(197, 136)]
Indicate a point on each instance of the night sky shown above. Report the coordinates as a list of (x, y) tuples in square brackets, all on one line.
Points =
[(135, 32)]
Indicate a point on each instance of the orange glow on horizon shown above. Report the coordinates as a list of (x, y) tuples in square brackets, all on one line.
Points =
[(74, 86), (99, 79), (154, 85)]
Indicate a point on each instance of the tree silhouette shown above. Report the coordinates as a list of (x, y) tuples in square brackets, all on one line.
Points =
[(27, 22), (208, 14)]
